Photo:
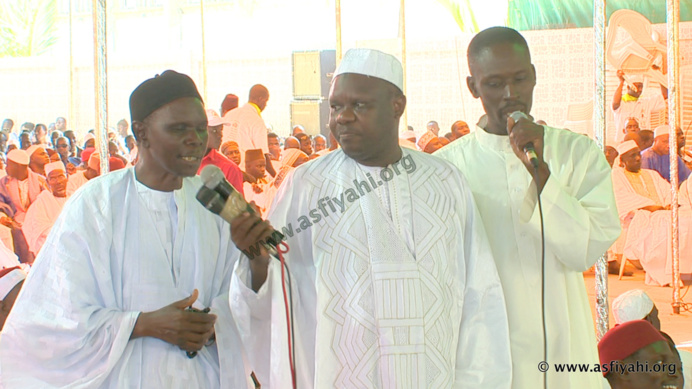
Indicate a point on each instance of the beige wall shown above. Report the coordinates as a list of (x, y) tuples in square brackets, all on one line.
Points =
[(37, 89)]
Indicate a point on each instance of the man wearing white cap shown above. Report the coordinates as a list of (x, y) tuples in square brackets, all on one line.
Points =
[(429, 142), (657, 157), (643, 203), (230, 170), (246, 126), (38, 158), (18, 190), (89, 141), (11, 280), (630, 105), (573, 182), (93, 169), (393, 283), (45, 210), (635, 304)]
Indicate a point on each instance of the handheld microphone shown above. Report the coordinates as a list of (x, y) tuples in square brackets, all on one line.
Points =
[(529, 149), (220, 197), (213, 178)]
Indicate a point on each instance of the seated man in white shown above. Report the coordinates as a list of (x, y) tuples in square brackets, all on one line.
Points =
[(43, 212), (643, 202)]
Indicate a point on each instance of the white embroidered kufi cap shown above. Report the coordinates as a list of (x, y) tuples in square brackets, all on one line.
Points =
[(632, 305), (626, 146), (57, 165), (372, 63)]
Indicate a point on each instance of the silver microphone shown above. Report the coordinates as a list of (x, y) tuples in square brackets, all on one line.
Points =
[(529, 149)]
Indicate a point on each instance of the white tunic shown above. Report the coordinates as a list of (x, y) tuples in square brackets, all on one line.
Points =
[(580, 224), (40, 219), (260, 199), (648, 233), (247, 128), (75, 182), (103, 264), (392, 288)]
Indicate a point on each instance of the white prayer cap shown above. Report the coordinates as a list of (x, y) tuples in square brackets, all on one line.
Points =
[(213, 119), (626, 146), (9, 278), (372, 63), (407, 135), (661, 130), (32, 149), (88, 136), (18, 156), (425, 139), (57, 165), (634, 304)]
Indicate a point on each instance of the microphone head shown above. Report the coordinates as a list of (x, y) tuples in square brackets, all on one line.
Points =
[(210, 199), (211, 176), (517, 115)]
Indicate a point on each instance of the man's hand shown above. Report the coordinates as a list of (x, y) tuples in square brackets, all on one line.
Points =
[(9, 222), (248, 232), (621, 76), (173, 324), (520, 134), (256, 188)]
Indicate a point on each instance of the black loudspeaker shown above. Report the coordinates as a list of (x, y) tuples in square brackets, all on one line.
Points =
[(312, 77), (312, 74), (313, 115)]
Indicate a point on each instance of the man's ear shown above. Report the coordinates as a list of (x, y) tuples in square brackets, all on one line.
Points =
[(470, 82), (399, 104), (139, 130)]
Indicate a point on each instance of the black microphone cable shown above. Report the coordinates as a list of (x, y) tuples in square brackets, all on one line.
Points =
[(534, 163)]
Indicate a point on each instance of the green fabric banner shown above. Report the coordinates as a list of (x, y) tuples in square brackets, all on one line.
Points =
[(555, 14)]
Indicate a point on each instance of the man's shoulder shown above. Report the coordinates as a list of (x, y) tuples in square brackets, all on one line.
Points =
[(45, 195), (36, 176), (438, 164), (456, 149), (314, 170), (564, 139), (105, 187)]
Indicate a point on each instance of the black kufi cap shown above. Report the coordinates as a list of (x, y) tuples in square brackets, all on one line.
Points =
[(156, 92)]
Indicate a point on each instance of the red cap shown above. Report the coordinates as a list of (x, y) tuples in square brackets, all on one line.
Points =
[(626, 339), (86, 153), (115, 164)]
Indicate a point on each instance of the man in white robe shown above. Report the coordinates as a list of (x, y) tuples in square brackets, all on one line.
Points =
[(246, 126), (105, 305), (93, 169), (43, 213), (579, 213), (643, 203), (393, 284), (18, 190)]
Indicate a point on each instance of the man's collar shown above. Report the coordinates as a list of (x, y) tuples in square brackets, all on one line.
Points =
[(259, 111), (493, 141)]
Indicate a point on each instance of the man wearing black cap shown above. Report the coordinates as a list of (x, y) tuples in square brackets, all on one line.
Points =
[(107, 303)]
